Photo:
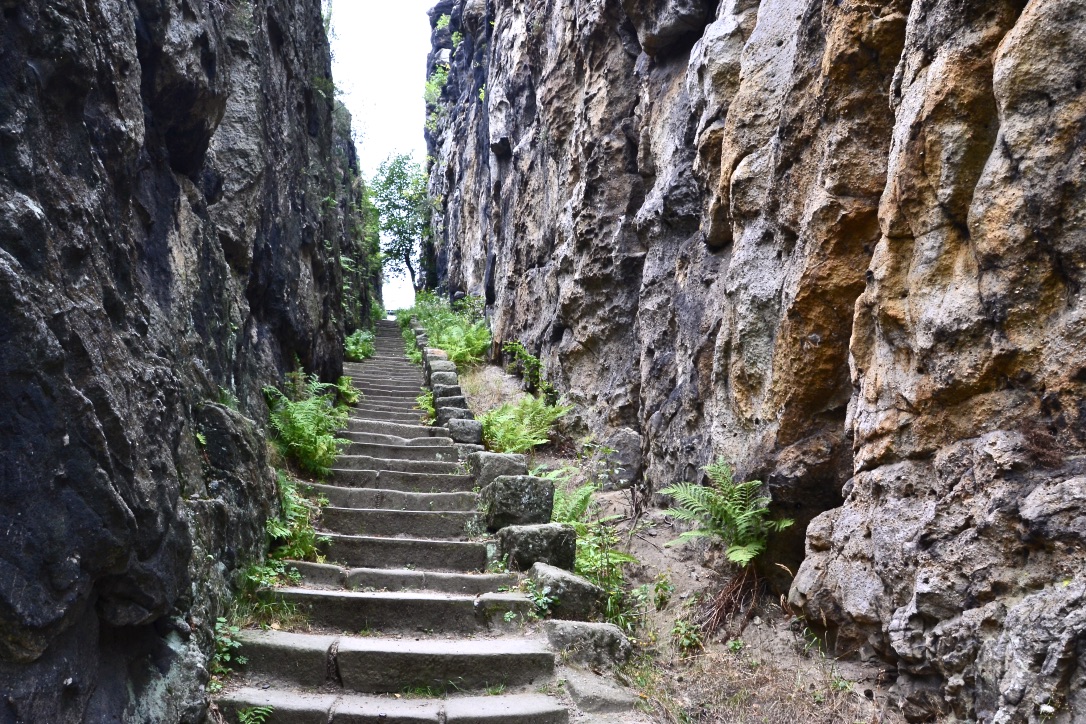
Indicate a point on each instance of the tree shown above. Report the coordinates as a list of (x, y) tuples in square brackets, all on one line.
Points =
[(399, 193)]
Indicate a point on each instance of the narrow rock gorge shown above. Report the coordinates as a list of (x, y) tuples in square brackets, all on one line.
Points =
[(177, 189), (839, 243)]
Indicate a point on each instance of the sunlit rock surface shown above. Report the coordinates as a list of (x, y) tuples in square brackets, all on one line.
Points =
[(839, 243)]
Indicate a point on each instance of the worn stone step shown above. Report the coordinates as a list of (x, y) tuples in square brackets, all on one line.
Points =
[(365, 406), (400, 480), (394, 383), (404, 611), (368, 462), (388, 387), (373, 498), (376, 665), (447, 525), (359, 551), (432, 453), (387, 397), (402, 418), (376, 439), (328, 576), (299, 707), (409, 430)]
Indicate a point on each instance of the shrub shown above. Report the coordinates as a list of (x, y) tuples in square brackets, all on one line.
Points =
[(359, 345), (529, 367), (733, 513), (443, 22), (346, 392), (459, 329), (435, 84), (517, 427), (305, 426)]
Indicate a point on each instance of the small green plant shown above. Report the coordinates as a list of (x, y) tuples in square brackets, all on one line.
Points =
[(226, 653), (255, 714), (201, 439), (443, 22), (517, 427), (425, 402), (495, 690), (435, 84), (509, 616), (359, 346), (541, 598), (228, 398), (736, 645), (529, 367), (482, 93), (305, 424), (734, 513), (687, 636), (457, 38), (293, 531), (346, 392), (662, 589), (325, 87)]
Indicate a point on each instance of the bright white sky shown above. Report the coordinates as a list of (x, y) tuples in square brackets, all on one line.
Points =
[(379, 50)]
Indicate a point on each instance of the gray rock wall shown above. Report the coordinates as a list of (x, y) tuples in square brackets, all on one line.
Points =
[(172, 213), (839, 243)]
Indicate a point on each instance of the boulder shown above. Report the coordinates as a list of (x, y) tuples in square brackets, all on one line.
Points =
[(573, 598), (443, 378), (442, 365), (443, 415), (486, 466), (596, 645), (468, 432), (441, 391), (458, 402), (525, 545), (517, 500)]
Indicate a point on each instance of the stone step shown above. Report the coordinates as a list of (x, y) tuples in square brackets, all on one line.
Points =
[(404, 369), (405, 481), (403, 611), (400, 383), (397, 397), (299, 707), (433, 453), (401, 418), (409, 430), (376, 439), (385, 388), (368, 462), (446, 525), (374, 498), (373, 665), (359, 551), (324, 575), (365, 406)]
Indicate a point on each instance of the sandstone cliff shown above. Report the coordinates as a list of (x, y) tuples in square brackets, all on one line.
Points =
[(173, 208), (839, 243)]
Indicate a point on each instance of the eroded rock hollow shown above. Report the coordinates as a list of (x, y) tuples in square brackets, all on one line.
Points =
[(841, 244), (175, 186)]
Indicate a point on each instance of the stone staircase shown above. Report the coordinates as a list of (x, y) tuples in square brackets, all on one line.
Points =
[(405, 625)]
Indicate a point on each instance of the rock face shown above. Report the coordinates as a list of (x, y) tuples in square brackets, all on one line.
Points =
[(172, 212), (839, 244)]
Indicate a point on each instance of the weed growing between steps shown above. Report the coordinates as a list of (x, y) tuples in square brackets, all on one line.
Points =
[(425, 402), (305, 421), (359, 345), (459, 329)]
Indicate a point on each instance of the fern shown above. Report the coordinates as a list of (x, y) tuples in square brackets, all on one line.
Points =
[(305, 426), (294, 531), (255, 714), (737, 514), (518, 427)]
